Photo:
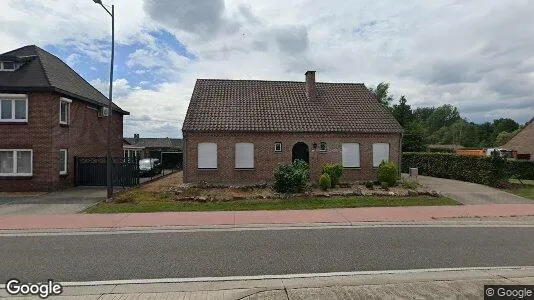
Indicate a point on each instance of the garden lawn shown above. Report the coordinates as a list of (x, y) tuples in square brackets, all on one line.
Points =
[(524, 190), (141, 201)]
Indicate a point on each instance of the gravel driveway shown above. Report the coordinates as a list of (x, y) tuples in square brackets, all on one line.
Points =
[(471, 193)]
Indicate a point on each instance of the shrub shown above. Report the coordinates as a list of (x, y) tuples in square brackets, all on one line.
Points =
[(334, 171), (520, 169), (369, 185), (385, 186), (387, 173), (291, 177), (484, 170), (325, 181), (409, 184)]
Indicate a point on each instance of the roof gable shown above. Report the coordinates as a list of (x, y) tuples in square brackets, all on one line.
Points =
[(44, 71), (523, 141), (282, 106)]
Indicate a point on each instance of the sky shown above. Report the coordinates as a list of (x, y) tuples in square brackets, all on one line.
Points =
[(476, 55)]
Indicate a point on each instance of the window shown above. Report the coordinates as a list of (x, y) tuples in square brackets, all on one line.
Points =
[(207, 156), (13, 108), (16, 162), (63, 161), (64, 110), (380, 153), (7, 66), (244, 156), (322, 147), (278, 147), (350, 155)]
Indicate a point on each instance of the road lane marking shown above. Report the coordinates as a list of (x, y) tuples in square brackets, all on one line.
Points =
[(258, 227)]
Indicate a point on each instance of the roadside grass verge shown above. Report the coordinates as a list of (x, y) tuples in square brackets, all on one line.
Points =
[(139, 201), (524, 190)]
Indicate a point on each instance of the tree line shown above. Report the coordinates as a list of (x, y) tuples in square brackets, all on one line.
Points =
[(443, 125)]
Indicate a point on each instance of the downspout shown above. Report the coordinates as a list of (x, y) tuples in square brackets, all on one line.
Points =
[(184, 156), (400, 153)]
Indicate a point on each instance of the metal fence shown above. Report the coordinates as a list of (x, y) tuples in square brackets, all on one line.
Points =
[(92, 171)]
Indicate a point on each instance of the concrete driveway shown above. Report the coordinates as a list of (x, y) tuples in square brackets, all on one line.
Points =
[(471, 193), (62, 202)]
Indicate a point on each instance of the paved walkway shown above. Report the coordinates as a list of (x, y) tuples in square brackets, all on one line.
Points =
[(61, 202), (342, 216), (410, 284), (470, 193)]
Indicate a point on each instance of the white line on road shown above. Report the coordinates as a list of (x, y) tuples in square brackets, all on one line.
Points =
[(230, 228), (288, 276)]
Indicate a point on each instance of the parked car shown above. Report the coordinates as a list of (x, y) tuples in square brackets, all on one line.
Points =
[(149, 167)]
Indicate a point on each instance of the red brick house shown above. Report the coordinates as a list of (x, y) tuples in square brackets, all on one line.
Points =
[(48, 115), (238, 131)]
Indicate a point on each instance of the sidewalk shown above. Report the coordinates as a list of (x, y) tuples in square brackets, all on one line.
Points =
[(409, 284), (343, 216)]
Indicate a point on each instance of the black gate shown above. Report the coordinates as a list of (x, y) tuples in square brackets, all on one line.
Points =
[(91, 171)]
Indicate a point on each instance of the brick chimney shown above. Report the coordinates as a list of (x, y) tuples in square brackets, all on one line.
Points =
[(136, 137), (311, 91)]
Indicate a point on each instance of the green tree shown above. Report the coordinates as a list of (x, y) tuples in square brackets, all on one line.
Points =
[(413, 139), (402, 112), (444, 115), (382, 93)]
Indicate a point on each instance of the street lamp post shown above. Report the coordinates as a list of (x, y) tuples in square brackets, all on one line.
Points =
[(109, 179)]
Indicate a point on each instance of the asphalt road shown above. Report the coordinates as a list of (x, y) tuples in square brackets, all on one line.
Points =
[(260, 252)]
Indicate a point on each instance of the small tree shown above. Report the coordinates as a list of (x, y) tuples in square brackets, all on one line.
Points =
[(291, 177), (387, 173), (334, 171), (324, 181)]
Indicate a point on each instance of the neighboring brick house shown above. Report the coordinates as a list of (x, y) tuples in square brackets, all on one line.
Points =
[(169, 150), (523, 141), (48, 115), (238, 131)]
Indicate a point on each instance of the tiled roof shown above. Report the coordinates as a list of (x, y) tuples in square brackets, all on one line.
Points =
[(155, 142), (282, 106), (523, 141), (43, 71)]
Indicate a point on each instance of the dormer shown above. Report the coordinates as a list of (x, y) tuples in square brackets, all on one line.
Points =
[(7, 65)]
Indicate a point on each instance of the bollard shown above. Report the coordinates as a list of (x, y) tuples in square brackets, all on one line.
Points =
[(414, 172)]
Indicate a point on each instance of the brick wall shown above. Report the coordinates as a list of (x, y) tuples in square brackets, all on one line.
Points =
[(86, 135), (266, 160)]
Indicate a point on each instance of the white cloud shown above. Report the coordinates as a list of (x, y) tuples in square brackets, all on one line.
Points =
[(476, 55)]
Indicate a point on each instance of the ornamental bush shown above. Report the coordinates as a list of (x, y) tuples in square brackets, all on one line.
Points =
[(325, 182), (334, 171), (484, 170), (292, 177), (387, 173)]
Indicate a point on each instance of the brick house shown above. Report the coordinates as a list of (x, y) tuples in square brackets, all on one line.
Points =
[(238, 131), (48, 115)]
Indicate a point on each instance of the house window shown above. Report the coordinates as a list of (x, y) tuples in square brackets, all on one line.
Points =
[(350, 155), (16, 162), (63, 161), (207, 156), (244, 156), (13, 108), (322, 147), (7, 66), (278, 147), (64, 111), (380, 153)]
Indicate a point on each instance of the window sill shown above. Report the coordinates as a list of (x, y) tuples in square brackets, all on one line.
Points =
[(244, 169), (11, 122), (16, 176), (63, 174), (64, 124), (352, 168), (207, 169)]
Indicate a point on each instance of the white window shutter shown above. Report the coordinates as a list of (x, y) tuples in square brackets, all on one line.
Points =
[(244, 156), (207, 156), (350, 155), (380, 153)]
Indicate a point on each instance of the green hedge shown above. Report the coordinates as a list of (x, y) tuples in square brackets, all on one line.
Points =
[(484, 170), (520, 169)]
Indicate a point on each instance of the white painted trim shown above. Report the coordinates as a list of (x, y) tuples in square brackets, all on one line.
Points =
[(68, 101), (13, 98), (64, 152), (15, 163), (286, 276)]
